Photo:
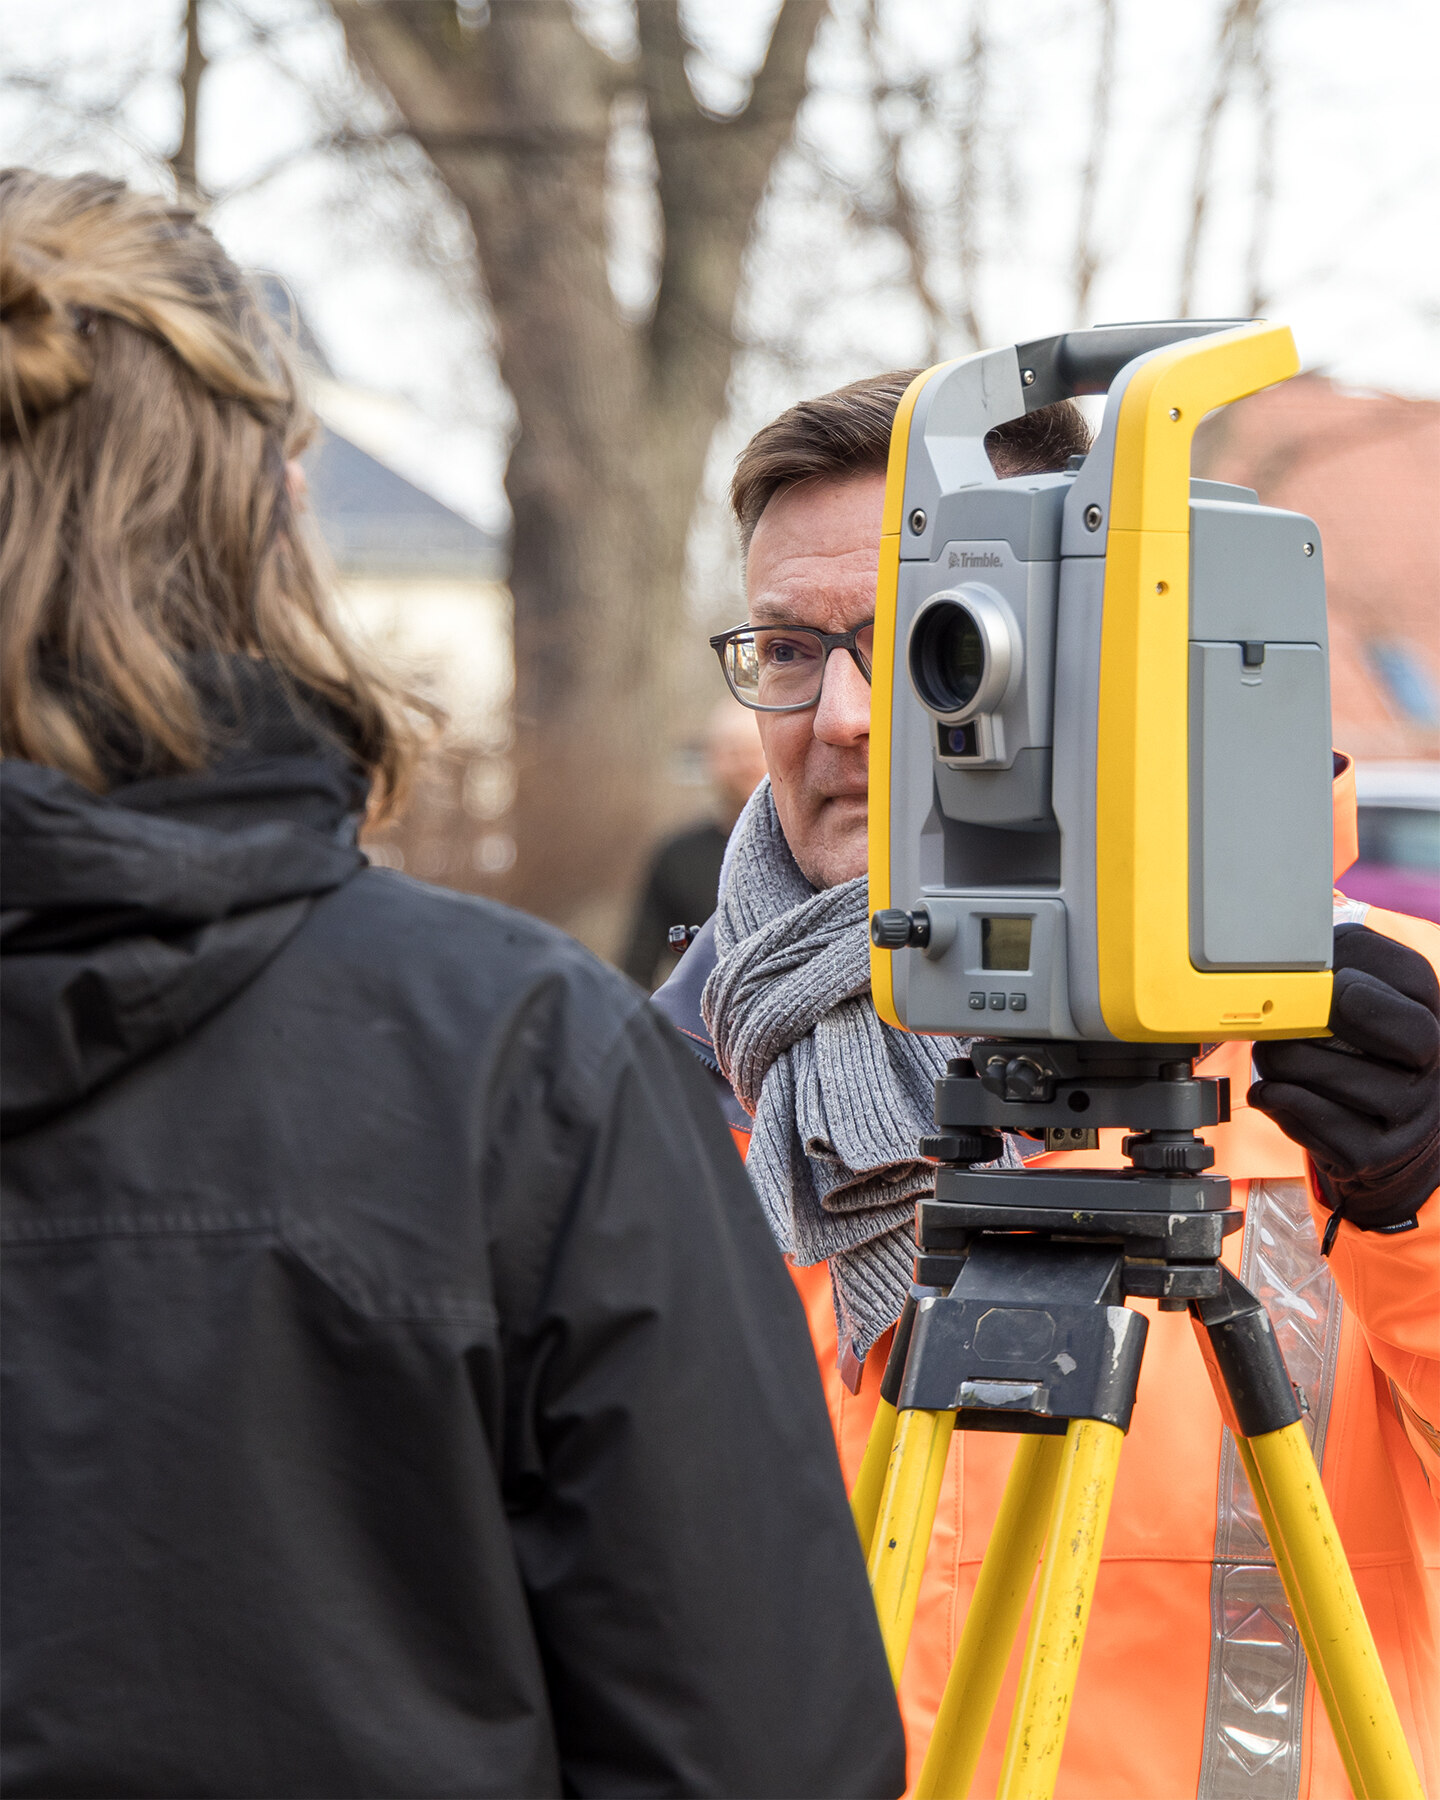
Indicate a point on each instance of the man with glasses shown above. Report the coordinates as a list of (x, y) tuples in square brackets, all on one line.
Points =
[(1180, 1691), (807, 497)]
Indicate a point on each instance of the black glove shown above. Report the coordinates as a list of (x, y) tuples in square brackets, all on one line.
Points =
[(1365, 1103)]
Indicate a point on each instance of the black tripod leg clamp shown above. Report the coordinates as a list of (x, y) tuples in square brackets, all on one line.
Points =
[(1247, 1369), (900, 1343), (1030, 1337)]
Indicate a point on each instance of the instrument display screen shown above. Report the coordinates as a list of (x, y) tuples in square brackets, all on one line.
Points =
[(1004, 943)]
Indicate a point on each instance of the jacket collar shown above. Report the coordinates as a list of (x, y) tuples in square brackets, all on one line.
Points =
[(679, 998)]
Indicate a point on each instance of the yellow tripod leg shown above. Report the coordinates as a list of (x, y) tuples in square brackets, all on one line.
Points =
[(870, 1482), (907, 1516), (1086, 1482), (1005, 1578), (1331, 1621), (1286, 1571)]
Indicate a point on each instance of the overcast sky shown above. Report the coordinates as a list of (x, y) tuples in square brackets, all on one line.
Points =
[(381, 265)]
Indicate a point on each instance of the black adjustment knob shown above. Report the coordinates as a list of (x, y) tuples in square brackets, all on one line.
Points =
[(940, 1148), (1168, 1152), (1025, 1080), (890, 929), (895, 929), (961, 1146)]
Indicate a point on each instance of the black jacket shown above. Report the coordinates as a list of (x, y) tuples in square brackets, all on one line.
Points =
[(403, 1394)]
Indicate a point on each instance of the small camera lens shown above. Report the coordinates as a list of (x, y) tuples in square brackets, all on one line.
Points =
[(947, 658)]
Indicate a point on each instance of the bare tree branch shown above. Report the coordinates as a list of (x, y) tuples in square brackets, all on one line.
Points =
[(712, 177), (779, 85), (666, 86), (1086, 256), (1235, 20), (968, 139), (182, 162), (344, 141), (900, 212), (54, 84), (402, 44), (1264, 200)]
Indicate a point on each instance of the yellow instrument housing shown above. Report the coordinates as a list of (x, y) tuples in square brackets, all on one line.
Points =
[(882, 686), (1149, 988)]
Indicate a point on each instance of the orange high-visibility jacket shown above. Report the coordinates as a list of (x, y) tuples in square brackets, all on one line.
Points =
[(1193, 1681)]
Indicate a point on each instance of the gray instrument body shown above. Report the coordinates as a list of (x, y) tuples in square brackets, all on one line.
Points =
[(1006, 829)]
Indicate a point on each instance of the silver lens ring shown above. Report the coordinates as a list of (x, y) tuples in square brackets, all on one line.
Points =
[(964, 653)]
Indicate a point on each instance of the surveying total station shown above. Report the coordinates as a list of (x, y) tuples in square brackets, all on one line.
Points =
[(1100, 838)]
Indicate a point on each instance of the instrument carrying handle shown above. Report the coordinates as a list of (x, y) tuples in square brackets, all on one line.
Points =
[(1086, 362)]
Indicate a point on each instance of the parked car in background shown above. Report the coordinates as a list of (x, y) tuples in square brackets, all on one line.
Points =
[(1399, 866)]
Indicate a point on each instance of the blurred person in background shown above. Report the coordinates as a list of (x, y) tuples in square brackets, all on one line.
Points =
[(1192, 1680), (684, 875), (402, 1394)]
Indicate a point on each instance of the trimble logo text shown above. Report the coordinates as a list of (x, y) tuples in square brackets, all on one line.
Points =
[(963, 559)]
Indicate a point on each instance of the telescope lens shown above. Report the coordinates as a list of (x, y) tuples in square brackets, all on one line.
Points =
[(947, 658)]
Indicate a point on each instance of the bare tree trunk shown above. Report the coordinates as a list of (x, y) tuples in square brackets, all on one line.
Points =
[(614, 417), (182, 163), (1086, 255)]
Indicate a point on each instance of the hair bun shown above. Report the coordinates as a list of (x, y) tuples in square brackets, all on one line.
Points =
[(44, 359)]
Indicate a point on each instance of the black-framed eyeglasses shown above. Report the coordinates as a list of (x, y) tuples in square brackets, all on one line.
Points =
[(780, 668)]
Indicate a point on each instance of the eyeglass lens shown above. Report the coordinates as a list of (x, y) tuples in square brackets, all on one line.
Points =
[(784, 667)]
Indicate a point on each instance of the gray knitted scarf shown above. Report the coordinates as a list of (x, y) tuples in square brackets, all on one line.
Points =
[(838, 1098)]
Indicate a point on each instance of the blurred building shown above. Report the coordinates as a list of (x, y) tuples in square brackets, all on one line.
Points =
[(424, 588), (1366, 468)]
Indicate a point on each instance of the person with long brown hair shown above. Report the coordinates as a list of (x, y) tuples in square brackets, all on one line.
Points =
[(402, 1396), (151, 415)]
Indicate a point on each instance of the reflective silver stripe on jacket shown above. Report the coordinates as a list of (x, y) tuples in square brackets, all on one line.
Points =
[(1255, 1705)]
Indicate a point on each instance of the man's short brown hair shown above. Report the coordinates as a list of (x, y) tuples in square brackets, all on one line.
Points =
[(848, 433)]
